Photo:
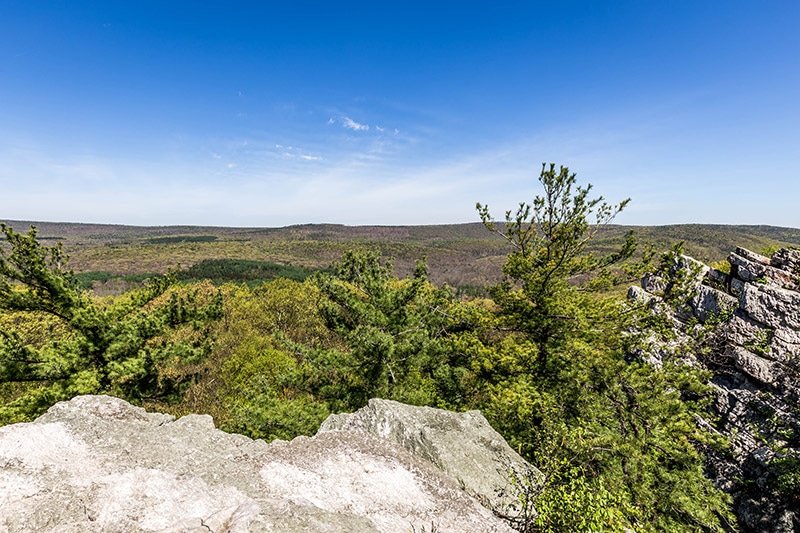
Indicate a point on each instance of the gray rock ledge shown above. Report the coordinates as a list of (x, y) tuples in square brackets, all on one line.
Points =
[(98, 464)]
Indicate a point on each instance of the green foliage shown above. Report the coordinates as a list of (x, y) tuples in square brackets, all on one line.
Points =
[(549, 239), (86, 280), (563, 501), (616, 440), (396, 331), (768, 251), (681, 275), (238, 270), (760, 345), (601, 426), (267, 398), (257, 379), (785, 470), (723, 266), (88, 348)]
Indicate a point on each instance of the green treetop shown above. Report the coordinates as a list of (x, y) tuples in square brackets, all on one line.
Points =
[(394, 328), (538, 296)]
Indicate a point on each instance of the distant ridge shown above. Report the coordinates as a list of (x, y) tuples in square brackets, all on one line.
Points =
[(462, 255)]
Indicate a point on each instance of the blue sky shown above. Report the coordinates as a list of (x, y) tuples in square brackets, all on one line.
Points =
[(246, 113)]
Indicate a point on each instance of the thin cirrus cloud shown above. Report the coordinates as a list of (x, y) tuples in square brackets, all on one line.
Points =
[(295, 153), (349, 123)]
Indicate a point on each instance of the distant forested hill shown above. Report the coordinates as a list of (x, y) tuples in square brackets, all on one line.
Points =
[(463, 255)]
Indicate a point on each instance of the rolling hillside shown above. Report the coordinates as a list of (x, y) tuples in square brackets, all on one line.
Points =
[(463, 255)]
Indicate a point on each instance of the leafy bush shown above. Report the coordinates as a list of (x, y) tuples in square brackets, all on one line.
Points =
[(396, 330), (257, 379)]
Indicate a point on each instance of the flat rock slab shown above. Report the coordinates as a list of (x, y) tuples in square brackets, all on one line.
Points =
[(98, 464)]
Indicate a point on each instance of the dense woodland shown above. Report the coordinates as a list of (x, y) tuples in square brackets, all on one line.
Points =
[(548, 351)]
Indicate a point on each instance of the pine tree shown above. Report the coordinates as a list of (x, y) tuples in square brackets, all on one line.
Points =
[(615, 437), (57, 341)]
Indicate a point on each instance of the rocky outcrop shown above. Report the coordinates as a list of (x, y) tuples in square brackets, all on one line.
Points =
[(753, 350), (480, 464), (98, 464)]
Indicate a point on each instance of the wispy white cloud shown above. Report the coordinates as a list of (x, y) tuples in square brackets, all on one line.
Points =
[(351, 124), (292, 152), (386, 176)]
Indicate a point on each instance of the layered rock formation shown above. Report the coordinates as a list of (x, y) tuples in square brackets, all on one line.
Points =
[(753, 351), (98, 464)]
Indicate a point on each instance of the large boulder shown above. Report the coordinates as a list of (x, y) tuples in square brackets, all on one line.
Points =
[(98, 464), (482, 464)]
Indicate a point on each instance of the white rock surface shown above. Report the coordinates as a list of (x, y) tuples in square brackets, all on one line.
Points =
[(98, 464), (481, 464)]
